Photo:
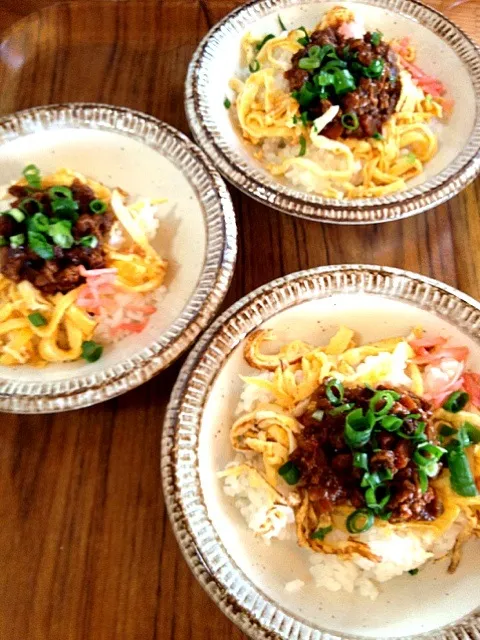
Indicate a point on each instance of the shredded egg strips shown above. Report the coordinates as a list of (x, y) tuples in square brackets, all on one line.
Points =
[(268, 433), (139, 269), (352, 168)]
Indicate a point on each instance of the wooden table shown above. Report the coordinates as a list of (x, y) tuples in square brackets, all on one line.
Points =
[(86, 550)]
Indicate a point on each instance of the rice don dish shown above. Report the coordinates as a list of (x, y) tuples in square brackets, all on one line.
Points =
[(77, 270), (338, 111), (366, 455)]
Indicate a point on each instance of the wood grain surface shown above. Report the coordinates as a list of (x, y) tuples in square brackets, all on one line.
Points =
[(86, 550)]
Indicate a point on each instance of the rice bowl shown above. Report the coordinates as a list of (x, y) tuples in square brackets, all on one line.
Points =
[(272, 587)]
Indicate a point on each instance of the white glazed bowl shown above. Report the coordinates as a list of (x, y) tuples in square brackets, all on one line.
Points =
[(197, 235), (443, 50), (245, 577)]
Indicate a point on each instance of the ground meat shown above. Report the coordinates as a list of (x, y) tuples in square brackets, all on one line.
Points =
[(326, 465), (374, 99), (60, 274)]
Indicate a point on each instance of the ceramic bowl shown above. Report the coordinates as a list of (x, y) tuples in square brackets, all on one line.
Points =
[(246, 578), (197, 236), (443, 50)]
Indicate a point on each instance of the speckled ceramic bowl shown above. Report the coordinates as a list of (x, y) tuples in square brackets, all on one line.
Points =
[(197, 235), (245, 577), (443, 50)]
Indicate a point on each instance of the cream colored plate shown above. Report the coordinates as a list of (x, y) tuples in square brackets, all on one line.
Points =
[(247, 578), (197, 235)]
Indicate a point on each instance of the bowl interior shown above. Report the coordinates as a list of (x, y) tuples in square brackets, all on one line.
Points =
[(120, 160), (407, 605), (435, 57)]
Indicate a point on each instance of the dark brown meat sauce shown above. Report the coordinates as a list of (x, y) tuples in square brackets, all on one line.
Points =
[(326, 462), (374, 100), (61, 274)]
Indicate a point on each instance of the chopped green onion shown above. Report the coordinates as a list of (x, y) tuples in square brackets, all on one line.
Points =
[(360, 521), (98, 206), (375, 501), (290, 473), (343, 408), (254, 66), (57, 193), (308, 63), (304, 40), (34, 206), (40, 245), (38, 222), (304, 118), (315, 51), (60, 232), (391, 423), (259, 45), (411, 158), (378, 136), (461, 477), (17, 241), (413, 572), (422, 479), (334, 391), (456, 401), (360, 460), (418, 434), (332, 65), (350, 121), (386, 399), (318, 415), (472, 432), (386, 515), (385, 474), (376, 38), (16, 214), (346, 51), (91, 351), (375, 70), (446, 431), (303, 146), (324, 79), (358, 428), (3, 241), (37, 319), (31, 173), (343, 82), (281, 23), (65, 208), (89, 241), (227, 104), (329, 51), (428, 462), (320, 534), (305, 96)]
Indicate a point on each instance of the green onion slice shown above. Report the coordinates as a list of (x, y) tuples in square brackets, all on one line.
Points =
[(303, 146), (3, 241), (358, 428), (427, 455), (281, 23), (446, 430), (456, 401), (91, 351), (411, 157), (17, 241), (37, 319), (461, 477), (308, 64), (375, 70), (422, 479), (360, 521), (260, 44), (98, 206), (343, 408), (320, 534), (418, 434), (391, 423), (386, 399), (16, 214), (254, 66), (227, 104), (315, 51), (413, 572), (304, 40), (38, 222), (34, 206), (360, 460), (40, 245), (378, 136), (332, 65), (376, 38), (377, 497), (334, 391), (60, 232), (350, 121), (89, 241), (343, 82), (472, 432), (31, 173), (57, 193), (290, 472)]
